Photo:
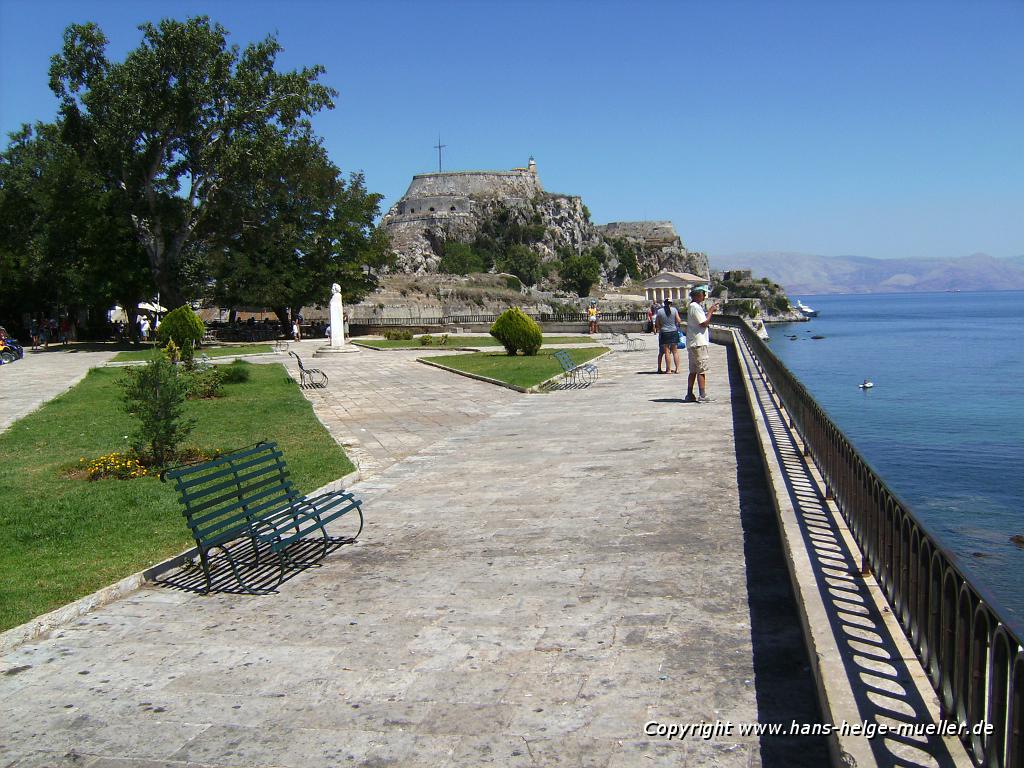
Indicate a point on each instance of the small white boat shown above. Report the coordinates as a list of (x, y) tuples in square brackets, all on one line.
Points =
[(866, 385), (805, 310)]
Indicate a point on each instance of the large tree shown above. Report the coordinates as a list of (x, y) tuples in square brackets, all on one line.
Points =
[(166, 124), (288, 226), (65, 242)]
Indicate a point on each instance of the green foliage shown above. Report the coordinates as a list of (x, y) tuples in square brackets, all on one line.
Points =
[(626, 253), (579, 273), (397, 335), (188, 128), (513, 283), (237, 372), (204, 383), (426, 340), (517, 331), (460, 259), (155, 395), (65, 239), (183, 327), (586, 213), (779, 304), (747, 308), (522, 262)]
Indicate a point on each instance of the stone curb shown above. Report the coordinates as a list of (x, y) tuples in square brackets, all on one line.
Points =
[(535, 389), (41, 626), (213, 360)]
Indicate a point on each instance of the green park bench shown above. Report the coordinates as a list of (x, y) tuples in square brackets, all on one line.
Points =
[(581, 375), (310, 378), (246, 495)]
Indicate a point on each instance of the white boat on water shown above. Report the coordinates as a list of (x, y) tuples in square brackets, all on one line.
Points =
[(805, 310)]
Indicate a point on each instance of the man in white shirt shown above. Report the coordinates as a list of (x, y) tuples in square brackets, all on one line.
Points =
[(697, 341)]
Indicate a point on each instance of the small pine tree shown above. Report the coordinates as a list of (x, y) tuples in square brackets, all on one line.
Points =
[(517, 331), (155, 395)]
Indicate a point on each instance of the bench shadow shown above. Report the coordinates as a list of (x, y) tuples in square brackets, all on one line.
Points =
[(305, 554), (880, 678), (784, 686)]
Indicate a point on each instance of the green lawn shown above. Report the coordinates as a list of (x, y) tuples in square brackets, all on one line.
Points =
[(242, 349), (460, 341), (520, 370), (63, 538)]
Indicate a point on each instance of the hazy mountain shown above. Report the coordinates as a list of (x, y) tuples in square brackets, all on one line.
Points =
[(806, 273)]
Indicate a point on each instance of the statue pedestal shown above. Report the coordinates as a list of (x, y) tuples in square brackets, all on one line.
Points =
[(327, 350)]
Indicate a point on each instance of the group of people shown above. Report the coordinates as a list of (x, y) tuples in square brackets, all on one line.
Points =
[(666, 322), (42, 332)]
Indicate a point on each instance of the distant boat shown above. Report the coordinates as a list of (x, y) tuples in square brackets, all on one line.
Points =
[(805, 310), (866, 385)]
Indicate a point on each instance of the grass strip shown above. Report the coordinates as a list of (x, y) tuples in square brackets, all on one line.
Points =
[(520, 370), (63, 537), (243, 349), (460, 341)]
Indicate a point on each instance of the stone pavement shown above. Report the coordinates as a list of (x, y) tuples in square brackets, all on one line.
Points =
[(41, 376), (545, 576)]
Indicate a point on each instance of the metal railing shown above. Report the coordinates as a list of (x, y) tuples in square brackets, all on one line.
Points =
[(970, 652), (544, 317)]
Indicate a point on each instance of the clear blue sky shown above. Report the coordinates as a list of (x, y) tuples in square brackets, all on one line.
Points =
[(876, 127)]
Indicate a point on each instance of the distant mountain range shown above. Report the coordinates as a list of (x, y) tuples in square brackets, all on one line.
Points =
[(805, 273)]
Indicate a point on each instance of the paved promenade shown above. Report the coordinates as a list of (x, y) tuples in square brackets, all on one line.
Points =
[(540, 576)]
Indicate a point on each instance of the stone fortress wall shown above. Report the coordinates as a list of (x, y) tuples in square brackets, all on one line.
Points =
[(650, 232), (440, 193)]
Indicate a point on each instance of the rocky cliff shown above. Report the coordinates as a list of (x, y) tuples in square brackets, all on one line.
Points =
[(439, 208)]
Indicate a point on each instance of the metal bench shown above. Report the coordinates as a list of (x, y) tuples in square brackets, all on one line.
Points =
[(631, 343), (579, 374), (310, 378), (247, 495)]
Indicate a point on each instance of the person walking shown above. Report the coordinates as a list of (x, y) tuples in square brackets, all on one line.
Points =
[(697, 342), (296, 331), (667, 322)]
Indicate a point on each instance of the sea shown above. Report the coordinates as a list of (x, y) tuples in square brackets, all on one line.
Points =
[(943, 424)]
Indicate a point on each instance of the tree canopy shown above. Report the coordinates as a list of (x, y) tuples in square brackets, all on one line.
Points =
[(167, 123)]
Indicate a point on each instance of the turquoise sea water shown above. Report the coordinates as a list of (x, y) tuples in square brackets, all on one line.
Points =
[(944, 423)]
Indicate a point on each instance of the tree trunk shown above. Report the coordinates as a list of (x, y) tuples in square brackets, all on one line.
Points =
[(286, 325)]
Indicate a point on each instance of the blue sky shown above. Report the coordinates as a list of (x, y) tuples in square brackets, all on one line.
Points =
[(876, 128)]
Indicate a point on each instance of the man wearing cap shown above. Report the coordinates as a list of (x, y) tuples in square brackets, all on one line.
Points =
[(697, 342)]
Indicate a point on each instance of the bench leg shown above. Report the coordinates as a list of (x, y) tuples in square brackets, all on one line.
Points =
[(245, 585)]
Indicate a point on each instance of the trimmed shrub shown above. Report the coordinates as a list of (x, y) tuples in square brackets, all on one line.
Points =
[(517, 331), (426, 340), (184, 328), (393, 335)]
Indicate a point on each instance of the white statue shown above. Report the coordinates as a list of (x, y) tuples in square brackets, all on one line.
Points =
[(337, 318)]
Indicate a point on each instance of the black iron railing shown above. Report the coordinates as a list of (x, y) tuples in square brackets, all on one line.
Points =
[(971, 653), (573, 317)]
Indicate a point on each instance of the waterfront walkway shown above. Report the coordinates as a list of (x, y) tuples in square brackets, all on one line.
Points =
[(540, 576)]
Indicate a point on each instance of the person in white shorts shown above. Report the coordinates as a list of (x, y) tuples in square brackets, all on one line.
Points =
[(697, 341)]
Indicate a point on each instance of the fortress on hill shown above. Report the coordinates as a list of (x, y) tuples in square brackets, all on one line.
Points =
[(452, 206)]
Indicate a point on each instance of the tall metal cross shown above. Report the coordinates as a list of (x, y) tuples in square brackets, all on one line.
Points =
[(439, 146)]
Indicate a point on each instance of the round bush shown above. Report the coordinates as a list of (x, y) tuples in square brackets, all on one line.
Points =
[(183, 327), (517, 331)]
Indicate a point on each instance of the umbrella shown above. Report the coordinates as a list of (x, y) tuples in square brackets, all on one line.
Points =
[(147, 307)]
